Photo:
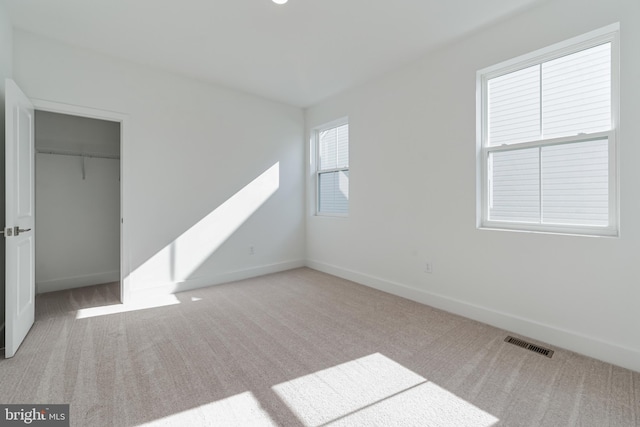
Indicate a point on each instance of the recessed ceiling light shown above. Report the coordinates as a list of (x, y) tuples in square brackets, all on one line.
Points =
[(280, 1)]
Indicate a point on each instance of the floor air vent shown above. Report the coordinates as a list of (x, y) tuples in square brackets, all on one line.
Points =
[(532, 347)]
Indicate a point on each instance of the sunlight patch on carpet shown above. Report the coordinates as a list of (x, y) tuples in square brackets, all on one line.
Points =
[(134, 305), (375, 390), (239, 410)]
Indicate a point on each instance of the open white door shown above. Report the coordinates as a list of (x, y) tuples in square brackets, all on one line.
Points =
[(19, 230)]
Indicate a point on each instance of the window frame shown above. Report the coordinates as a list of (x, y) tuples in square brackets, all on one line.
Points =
[(609, 34), (316, 165)]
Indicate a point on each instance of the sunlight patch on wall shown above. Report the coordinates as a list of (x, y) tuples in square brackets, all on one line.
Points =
[(177, 261), (239, 410), (375, 390)]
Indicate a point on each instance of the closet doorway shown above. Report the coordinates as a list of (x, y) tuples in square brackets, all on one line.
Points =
[(77, 202)]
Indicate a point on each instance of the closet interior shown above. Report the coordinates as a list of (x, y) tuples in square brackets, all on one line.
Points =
[(77, 174)]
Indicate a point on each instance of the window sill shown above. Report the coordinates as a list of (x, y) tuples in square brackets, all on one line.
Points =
[(560, 231), (330, 216)]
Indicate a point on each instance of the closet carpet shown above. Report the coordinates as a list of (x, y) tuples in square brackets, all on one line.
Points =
[(299, 348)]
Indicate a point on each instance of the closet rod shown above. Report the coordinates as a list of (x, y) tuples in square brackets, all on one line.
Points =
[(70, 153)]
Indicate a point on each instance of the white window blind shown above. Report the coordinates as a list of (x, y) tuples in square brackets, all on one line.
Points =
[(515, 185), (557, 184), (333, 170), (514, 107), (575, 183), (548, 141), (576, 93)]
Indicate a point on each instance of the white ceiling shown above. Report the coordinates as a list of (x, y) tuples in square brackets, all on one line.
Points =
[(298, 53)]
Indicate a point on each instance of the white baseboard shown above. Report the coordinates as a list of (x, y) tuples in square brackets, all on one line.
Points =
[(589, 346), (77, 281), (173, 287)]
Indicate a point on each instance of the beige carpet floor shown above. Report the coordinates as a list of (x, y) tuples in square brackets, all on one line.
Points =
[(299, 348)]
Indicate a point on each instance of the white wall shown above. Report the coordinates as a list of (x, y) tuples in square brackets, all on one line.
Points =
[(77, 220), (187, 148), (6, 71), (413, 197)]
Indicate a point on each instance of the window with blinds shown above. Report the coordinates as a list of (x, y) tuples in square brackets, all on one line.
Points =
[(548, 139), (333, 170)]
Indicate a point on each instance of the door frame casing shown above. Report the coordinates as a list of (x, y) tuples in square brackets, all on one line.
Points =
[(123, 119)]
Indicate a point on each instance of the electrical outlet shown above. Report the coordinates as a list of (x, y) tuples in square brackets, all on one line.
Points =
[(428, 267), (252, 250)]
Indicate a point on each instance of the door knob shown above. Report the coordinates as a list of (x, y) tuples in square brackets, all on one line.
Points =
[(17, 230)]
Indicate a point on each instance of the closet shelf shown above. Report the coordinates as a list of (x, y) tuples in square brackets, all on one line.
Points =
[(78, 154)]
